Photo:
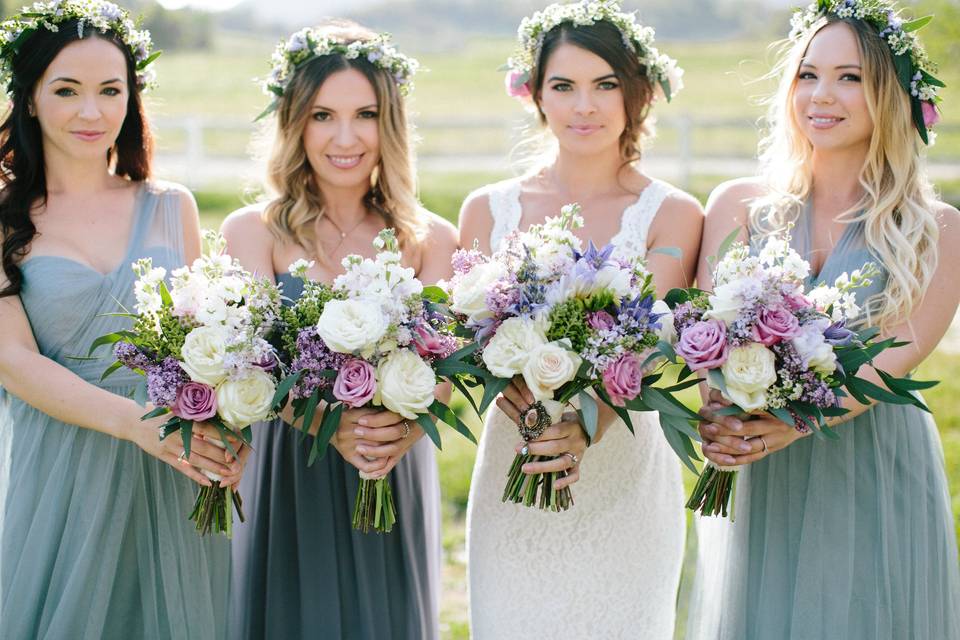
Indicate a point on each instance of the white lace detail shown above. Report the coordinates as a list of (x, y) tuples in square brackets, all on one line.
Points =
[(504, 209), (631, 240)]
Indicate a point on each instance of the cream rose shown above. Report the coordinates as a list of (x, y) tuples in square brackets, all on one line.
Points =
[(548, 368), (405, 384), (507, 351), (246, 400), (203, 353), (748, 371), (725, 303), (469, 296), (352, 326)]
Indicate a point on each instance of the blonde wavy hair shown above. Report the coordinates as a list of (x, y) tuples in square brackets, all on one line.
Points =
[(297, 203), (897, 203)]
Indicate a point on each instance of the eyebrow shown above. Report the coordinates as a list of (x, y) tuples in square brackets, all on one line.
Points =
[(72, 81), (839, 66), (320, 107), (600, 79)]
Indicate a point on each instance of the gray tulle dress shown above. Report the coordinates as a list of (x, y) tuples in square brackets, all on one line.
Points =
[(94, 536), (847, 539), (301, 571)]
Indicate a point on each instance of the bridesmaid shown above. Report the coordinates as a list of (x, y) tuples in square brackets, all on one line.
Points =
[(851, 538), (339, 172), (95, 540)]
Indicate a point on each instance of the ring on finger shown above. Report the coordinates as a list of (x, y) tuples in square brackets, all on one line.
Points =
[(572, 457), (182, 456), (766, 449), (406, 429)]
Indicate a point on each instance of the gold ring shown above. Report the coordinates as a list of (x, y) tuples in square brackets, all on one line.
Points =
[(406, 429), (573, 457), (765, 448)]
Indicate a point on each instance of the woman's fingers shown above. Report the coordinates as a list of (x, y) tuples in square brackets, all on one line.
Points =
[(520, 385), (381, 451), (384, 434), (211, 451), (367, 466), (202, 462), (380, 419), (508, 408), (572, 476), (515, 396), (185, 468), (560, 463), (721, 459)]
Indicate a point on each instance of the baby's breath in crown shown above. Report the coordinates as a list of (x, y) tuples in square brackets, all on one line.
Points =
[(310, 43), (914, 69), (662, 70), (97, 14)]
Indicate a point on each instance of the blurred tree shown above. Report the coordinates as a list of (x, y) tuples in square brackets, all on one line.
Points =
[(180, 29)]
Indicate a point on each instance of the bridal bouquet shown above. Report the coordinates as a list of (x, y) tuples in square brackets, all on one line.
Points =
[(375, 338), (567, 321), (771, 345), (202, 346)]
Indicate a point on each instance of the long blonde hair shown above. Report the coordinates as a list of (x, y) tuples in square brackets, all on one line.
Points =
[(297, 202), (896, 208)]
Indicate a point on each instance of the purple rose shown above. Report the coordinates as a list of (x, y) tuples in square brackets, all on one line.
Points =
[(774, 325), (622, 378), (797, 301), (703, 345), (600, 320), (355, 383), (195, 401)]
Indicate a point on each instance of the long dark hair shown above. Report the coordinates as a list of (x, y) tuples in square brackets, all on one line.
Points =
[(605, 40), (22, 172)]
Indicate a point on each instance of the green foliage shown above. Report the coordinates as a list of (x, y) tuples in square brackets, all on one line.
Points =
[(567, 321), (168, 341), (305, 313)]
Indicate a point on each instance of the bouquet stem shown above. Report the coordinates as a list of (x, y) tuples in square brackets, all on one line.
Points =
[(212, 511), (374, 507), (714, 492), (538, 488)]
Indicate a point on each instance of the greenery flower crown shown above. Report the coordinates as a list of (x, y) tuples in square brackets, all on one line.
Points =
[(309, 43), (98, 14), (914, 68), (662, 70)]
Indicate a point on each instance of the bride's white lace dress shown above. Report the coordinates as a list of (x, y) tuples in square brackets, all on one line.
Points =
[(610, 566)]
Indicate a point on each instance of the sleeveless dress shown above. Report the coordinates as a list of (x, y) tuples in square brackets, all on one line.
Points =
[(302, 571), (95, 538), (847, 539), (610, 566)]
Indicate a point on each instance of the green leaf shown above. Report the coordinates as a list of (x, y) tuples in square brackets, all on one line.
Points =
[(283, 390), (450, 417), (680, 386), (491, 389), (728, 242), (140, 393), (667, 350), (328, 426), (159, 411), (224, 433), (310, 410), (932, 80), (680, 443), (273, 106), (673, 252), (588, 414), (106, 374), (170, 426), (434, 293), (715, 377), (665, 85), (430, 429), (110, 338), (906, 384), (165, 294), (917, 24), (186, 436), (144, 63), (876, 392)]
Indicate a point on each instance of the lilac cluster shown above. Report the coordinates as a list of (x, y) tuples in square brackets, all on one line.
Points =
[(164, 381), (314, 357), (503, 295), (799, 383), (131, 356), (741, 330), (464, 260), (685, 316)]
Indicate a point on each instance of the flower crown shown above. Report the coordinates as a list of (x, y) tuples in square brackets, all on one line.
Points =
[(914, 68), (99, 14), (662, 70), (310, 43)]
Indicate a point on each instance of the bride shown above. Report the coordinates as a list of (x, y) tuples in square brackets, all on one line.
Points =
[(610, 566)]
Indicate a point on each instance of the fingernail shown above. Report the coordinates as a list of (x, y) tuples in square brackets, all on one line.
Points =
[(361, 449), (359, 432), (710, 428), (362, 421), (736, 424), (525, 468), (745, 446), (728, 460)]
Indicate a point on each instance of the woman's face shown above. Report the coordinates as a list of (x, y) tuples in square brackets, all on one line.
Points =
[(582, 101), (342, 135), (828, 100), (81, 99)]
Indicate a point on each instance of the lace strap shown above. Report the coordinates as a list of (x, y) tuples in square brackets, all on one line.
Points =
[(504, 199), (631, 240)]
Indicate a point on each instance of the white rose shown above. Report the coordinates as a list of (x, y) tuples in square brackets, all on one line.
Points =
[(508, 350), (352, 326), (725, 303), (748, 372), (405, 384), (815, 352), (203, 352), (469, 297), (246, 400), (667, 332), (548, 368)]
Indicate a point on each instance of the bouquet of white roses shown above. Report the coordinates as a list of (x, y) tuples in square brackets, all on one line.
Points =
[(375, 338), (202, 346), (567, 322), (770, 344)]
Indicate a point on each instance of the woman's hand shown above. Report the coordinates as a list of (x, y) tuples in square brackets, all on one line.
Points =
[(203, 455), (387, 435), (357, 431), (567, 441), (209, 434)]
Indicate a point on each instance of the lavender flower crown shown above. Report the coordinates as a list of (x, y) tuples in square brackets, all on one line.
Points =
[(98, 14), (310, 43), (914, 68), (662, 70)]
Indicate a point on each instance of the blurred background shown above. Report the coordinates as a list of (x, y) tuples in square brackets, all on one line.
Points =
[(204, 108)]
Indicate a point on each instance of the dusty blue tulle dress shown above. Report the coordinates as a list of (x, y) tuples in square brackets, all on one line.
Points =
[(301, 571), (848, 539), (94, 536)]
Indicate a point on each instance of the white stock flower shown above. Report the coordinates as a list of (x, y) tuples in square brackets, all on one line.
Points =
[(749, 371), (204, 351), (469, 296), (667, 331), (507, 351), (548, 368), (352, 326), (405, 384), (815, 352), (246, 400), (726, 302)]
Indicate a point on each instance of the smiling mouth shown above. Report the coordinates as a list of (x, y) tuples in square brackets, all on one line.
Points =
[(345, 162), (584, 129), (824, 121), (89, 135)]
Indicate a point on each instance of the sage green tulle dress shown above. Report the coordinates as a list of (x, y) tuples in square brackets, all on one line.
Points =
[(94, 536), (850, 539)]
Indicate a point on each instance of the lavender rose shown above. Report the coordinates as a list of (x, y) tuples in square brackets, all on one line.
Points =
[(703, 345), (195, 401), (930, 114), (622, 378), (600, 320), (775, 325), (356, 383)]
